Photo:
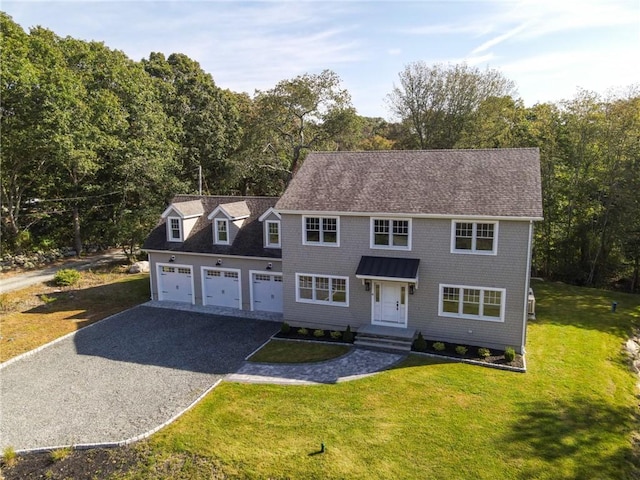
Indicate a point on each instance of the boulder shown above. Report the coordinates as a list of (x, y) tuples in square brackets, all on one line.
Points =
[(139, 267)]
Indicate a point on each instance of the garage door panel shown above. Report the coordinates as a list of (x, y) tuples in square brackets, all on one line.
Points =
[(175, 283), (221, 288), (267, 292)]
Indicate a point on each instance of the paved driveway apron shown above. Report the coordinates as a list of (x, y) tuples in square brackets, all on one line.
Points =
[(121, 377)]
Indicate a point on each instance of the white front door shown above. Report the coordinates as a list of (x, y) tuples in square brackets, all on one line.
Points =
[(389, 304), (175, 283), (267, 292), (221, 287)]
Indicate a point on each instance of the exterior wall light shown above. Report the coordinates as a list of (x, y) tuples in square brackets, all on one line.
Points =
[(219, 262)]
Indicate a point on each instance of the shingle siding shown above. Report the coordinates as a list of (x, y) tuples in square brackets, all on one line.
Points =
[(431, 241)]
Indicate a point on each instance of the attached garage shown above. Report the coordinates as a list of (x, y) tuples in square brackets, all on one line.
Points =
[(266, 292), (175, 283), (221, 287)]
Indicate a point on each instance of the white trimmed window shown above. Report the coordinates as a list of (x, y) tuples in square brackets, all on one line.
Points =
[(272, 238), (321, 231), (476, 303), (322, 289), (474, 237), (174, 224), (221, 230), (390, 233)]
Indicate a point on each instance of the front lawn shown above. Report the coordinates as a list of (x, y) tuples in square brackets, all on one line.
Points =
[(282, 351), (35, 315), (570, 416)]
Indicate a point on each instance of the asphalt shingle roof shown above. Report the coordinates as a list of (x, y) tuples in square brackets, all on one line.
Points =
[(490, 183), (248, 241)]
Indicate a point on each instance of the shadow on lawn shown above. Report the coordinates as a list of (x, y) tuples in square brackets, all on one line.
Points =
[(562, 304), (583, 432)]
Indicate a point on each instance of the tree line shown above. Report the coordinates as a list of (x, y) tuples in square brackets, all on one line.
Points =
[(94, 145)]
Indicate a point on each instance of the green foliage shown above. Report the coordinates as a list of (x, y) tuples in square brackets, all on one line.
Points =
[(60, 454), (484, 352), (509, 354), (285, 328), (336, 335), (66, 277), (47, 299), (303, 331), (348, 335), (439, 346), (461, 350), (9, 456), (420, 344), (318, 333)]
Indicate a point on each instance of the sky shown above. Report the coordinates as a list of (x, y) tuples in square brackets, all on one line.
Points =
[(550, 49)]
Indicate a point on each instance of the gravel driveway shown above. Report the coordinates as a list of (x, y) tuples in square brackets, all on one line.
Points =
[(121, 377)]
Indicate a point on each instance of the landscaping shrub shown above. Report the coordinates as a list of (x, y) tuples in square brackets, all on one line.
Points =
[(509, 354), (347, 336), (336, 335), (59, 454), (285, 328), (303, 331), (484, 352), (461, 350), (420, 344), (318, 333), (66, 277), (438, 346), (9, 456)]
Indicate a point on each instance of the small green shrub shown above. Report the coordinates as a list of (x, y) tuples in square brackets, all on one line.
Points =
[(303, 331), (484, 352), (420, 344), (47, 299), (461, 350), (336, 335), (438, 346), (9, 456), (318, 333), (285, 328), (509, 354), (59, 454), (66, 277), (347, 336)]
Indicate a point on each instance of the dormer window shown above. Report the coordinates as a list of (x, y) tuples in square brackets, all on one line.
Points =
[(175, 229), (273, 234), (222, 231)]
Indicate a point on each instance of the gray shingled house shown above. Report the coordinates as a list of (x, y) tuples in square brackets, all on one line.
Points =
[(389, 243)]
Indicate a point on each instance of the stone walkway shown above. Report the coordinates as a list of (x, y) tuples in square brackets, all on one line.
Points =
[(356, 364)]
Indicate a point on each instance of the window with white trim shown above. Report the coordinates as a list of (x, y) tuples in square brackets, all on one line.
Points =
[(322, 289), (175, 229), (474, 237), (320, 231), (477, 303), (389, 233), (221, 228), (272, 234)]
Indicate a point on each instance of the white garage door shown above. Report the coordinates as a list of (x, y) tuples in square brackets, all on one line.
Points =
[(175, 283), (221, 287), (267, 292)]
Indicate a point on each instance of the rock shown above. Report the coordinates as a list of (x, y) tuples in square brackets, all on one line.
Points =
[(70, 253), (139, 267), (632, 348)]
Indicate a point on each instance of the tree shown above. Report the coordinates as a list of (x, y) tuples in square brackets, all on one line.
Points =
[(309, 112), (438, 101)]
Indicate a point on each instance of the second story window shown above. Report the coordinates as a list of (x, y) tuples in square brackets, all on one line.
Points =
[(320, 231), (474, 237), (390, 233), (273, 234), (175, 229), (222, 231)]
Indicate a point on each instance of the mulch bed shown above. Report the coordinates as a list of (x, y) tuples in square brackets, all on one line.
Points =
[(94, 463)]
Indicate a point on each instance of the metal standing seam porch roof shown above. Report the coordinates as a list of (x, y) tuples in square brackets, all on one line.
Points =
[(389, 268)]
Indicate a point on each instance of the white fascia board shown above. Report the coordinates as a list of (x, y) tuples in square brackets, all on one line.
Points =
[(387, 279), (267, 213), (406, 215), (216, 255)]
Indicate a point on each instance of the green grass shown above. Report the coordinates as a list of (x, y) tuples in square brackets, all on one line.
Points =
[(282, 351), (571, 416)]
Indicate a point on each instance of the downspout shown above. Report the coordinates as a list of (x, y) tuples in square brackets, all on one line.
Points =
[(526, 287)]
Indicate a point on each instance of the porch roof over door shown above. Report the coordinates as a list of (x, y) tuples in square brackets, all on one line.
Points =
[(388, 268)]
